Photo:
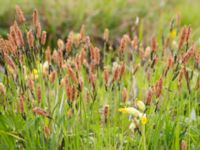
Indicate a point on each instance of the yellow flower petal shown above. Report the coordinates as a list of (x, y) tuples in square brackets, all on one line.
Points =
[(35, 72), (144, 119), (173, 34)]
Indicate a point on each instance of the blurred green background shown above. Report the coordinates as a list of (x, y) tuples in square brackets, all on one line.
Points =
[(59, 17)]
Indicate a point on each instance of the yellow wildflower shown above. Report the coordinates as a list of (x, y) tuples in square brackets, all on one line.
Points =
[(35, 73), (144, 119), (172, 33)]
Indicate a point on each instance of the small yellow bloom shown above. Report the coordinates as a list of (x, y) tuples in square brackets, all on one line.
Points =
[(35, 72), (144, 119), (173, 34)]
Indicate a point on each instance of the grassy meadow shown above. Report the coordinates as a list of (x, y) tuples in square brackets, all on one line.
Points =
[(106, 77)]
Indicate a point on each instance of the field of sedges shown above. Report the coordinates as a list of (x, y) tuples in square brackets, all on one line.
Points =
[(132, 95)]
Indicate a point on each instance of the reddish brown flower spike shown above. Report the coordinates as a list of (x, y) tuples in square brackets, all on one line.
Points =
[(39, 94), (20, 14), (149, 97), (153, 44), (182, 37), (40, 111), (106, 75), (43, 38), (35, 17), (124, 95), (30, 38), (38, 30), (21, 103)]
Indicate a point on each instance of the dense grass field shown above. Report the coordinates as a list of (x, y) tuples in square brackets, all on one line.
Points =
[(87, 92)]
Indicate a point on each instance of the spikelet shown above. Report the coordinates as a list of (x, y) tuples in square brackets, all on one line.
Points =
[(55, 57), (153, 44), (35, 17), (141, 53), (82, 55), (52, 76), (158, 87), (68, 45), (188, 54), (12, 43), (82, 32), (30, 84), (48, 55), (10, 62), (60, 58), (197, 57), (72, 74), (183, 145), (122, 69), (60, 44), (68, 90), (147, 52), (124, 95), (21, 103), (30, 38), (181, 74), (105, 113), (38, 30), (81, 82), (92, 79), (115, 72), (106, 75), (149, 97), (170, 63), (14, 34), (47, 131), (19, 34), (95, 55), (39, 94), (20, 14), (182, 37), (40, 111), (135, 42), (123, 43), (187, 36), (44, 37)]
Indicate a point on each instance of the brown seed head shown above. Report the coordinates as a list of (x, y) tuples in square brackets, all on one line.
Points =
[(124, 95), (38, 30), (20, 14), (30, 38), (44, 37), (35, 17)]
